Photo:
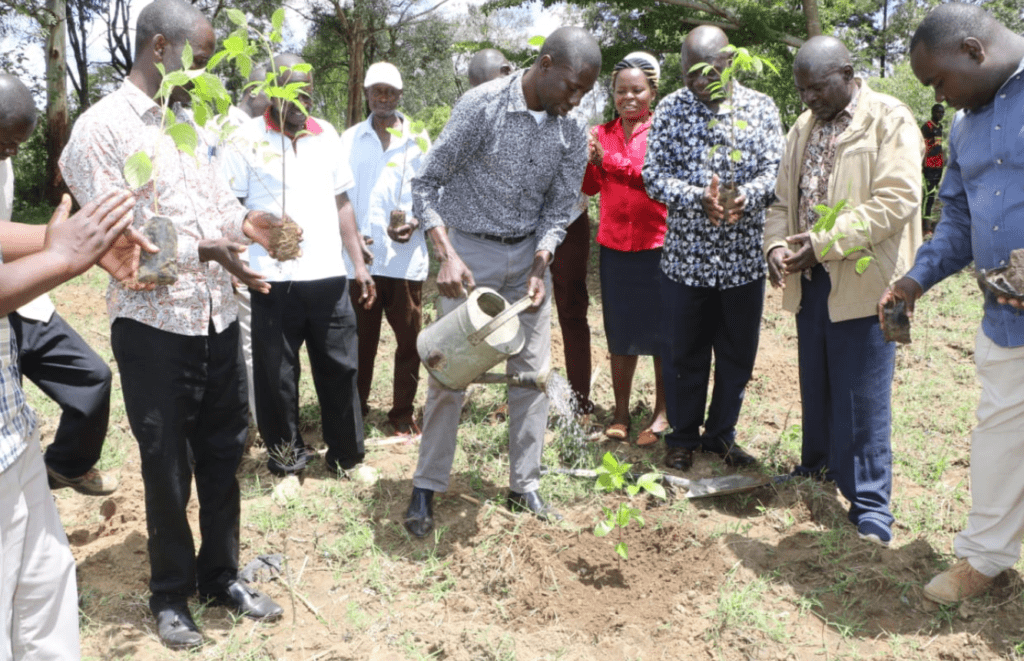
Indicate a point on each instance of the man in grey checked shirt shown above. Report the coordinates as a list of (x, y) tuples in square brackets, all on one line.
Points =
[(511, 164)]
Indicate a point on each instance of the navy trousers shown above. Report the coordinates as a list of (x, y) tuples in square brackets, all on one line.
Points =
[(846, 373), (698, 322), (56, 358)]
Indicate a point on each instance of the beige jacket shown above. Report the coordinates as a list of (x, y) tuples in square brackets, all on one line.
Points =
[(878, 172)]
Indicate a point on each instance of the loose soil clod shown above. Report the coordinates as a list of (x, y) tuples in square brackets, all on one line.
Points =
[(397, 218), (896, 323), (160, 268), (284, 241)]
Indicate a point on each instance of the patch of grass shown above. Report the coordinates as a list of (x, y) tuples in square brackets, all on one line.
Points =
[(741, 607)]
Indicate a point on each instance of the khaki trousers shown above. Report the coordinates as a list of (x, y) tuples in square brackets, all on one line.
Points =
[(504, 268), (995, 525), (38, 593)]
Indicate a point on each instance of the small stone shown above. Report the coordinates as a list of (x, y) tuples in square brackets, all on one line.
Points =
[(108, 509)]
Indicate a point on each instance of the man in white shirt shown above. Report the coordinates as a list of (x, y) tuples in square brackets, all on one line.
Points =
[(384, 164), (294, 169), (50, 353)]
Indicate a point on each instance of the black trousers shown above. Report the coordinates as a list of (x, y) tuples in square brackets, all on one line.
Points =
[(699, 322), (180, 392), (56, 358), (319, 314)]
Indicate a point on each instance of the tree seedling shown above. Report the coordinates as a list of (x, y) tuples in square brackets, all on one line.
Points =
[(206, 92), (416, 129), (896, 323), (740, 59), (611, 477)]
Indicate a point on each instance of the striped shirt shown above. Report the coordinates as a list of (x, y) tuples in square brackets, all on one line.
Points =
[(17, 420)]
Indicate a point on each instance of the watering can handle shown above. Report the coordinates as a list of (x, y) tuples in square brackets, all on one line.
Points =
[(492, 325)]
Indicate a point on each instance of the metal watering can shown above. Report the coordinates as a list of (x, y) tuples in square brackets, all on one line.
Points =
[(482, 331)]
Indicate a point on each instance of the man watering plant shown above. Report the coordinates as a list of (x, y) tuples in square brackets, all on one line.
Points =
[(712, 269), (511, 164), (976, 65), (176, 344), (858, 146)]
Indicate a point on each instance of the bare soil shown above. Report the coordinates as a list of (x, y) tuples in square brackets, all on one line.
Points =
[(775, 574)]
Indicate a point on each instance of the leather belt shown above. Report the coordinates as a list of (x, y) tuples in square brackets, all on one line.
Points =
[(504, 240)]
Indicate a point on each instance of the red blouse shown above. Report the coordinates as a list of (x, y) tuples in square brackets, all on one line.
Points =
[(630, 221)]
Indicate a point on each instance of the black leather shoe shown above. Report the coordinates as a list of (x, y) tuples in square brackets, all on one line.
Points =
[(419, 518), (176, 629), (246, 600), (532, 502), (681, 459), (737, 457)]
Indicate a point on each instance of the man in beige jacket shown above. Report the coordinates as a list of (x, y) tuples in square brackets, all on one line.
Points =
[(863, 147)]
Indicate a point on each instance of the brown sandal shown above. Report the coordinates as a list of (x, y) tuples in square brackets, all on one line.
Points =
[(617, 431), (648, 437)]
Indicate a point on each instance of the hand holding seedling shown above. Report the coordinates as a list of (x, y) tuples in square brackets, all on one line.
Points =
[(258, 226), (713, 208), (777, 266), (122, 259), (402, 233), (906, 290), (82, 239), (804, 258), (226, 252)]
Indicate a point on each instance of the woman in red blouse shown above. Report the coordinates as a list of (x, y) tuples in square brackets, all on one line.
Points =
[(631, 233)]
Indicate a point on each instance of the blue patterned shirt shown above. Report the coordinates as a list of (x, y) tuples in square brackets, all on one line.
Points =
[(982, 203), (678, 168)]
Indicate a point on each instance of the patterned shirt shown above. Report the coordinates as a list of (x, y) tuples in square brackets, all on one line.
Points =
[(932, 133), (191, 193), (17, 420), (678, 168), (819, 157), (502, 173)]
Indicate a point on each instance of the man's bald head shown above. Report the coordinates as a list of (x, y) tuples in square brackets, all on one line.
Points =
[(17, 115), (572, 47), (823, 53), (174, 19), (823, 75), (283, 64), (946, 26), (486, 65), (704, 43)]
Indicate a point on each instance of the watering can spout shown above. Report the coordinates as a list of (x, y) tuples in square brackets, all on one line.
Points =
[(537, 380)]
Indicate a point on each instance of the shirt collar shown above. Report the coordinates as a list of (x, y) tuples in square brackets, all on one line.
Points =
[(139, 101), (311, 125), (366, 128)]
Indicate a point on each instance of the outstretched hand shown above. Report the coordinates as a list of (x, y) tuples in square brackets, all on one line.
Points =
[(83, 238), (227, 253)]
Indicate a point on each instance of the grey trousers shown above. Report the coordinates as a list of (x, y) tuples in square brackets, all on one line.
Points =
[(506, 269)]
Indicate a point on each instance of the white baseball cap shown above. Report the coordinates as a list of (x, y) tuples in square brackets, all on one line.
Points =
[(385, 73)]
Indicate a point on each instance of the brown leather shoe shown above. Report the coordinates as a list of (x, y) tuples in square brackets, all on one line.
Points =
[(959, 582), (94, 483)]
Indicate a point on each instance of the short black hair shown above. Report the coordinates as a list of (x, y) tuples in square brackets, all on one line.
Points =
[(573, 47), (174, 19), (949, 24)]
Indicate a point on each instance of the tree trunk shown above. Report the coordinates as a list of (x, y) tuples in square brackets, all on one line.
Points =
[(813, 21), (56, 97), (356, 75)]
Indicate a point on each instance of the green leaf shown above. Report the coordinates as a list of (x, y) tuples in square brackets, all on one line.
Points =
[(639, 518), (736, 155), (602, 529), (862, 264), (651, 483), (632, 490), (850, 251), (422, 143), (237, 17), (185, 138), (713, 123), (215, 60), (244, 63), (620, 548), (828, 246), (395, 132), (234, 45), (392, 164), (138, 168), (609, 462), (741, 124), (169, 119), (607, 482), (657, 491), (186, 55), (623, 516), (277, 19), (302, 67), (200, 111), (536, 41)]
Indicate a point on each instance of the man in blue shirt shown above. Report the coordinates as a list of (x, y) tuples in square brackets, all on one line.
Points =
[(976, 65)]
